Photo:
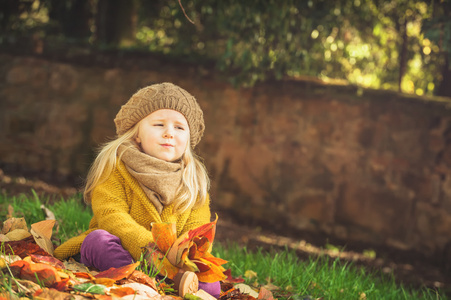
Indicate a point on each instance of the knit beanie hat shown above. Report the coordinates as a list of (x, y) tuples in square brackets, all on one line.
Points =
[(161, 96)]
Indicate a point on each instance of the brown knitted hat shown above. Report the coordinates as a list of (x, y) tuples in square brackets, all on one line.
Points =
[(161, 96)]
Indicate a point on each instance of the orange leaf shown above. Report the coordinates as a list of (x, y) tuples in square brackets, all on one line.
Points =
[(201, 245), (214, 274), (207, 230), (51, 294), (122, 291), (44, 273), (164, 235), (265, 294), (50, 260), (108, 282), (140, 277), (118, 273), (216, 260), (60, 285), (84, 275)]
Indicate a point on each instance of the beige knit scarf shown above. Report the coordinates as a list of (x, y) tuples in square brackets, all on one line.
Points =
[(158, 179)]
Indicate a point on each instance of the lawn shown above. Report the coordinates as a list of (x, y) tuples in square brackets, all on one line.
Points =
[(283, 272)]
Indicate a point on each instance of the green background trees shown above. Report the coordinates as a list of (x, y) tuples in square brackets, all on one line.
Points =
[(389, 44)]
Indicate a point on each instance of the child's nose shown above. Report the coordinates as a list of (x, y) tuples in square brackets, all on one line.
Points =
[(168, 133)]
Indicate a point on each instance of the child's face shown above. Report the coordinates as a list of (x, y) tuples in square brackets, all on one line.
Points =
[(164, 134)]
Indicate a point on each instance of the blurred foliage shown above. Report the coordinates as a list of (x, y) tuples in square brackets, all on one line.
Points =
[(388, 44)]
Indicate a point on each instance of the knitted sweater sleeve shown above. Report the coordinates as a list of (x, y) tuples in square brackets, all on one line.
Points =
[(109, 205), (198, 216)]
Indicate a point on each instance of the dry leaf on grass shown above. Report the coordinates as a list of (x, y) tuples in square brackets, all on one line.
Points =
[(245, 289), (14, 223), (17, 234), (42, 233), (49, 215), (4, 238), (75, 266), (142, 278), (51, 294)]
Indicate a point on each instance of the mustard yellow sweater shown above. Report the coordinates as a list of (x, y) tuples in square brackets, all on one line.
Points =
[(122, 208)]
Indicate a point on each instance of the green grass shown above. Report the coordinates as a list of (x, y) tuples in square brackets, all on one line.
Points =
[(71, 214), (318, 277)]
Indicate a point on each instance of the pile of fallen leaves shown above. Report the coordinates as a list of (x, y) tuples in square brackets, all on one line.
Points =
[(28, 269)]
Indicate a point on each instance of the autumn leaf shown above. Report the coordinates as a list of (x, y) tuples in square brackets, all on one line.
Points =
[(36, 272), (50, 294), (118, 273), (23, 248), (189, 252), (84, 275), (142, 289), (249, 274), (179, 250), (122, 291), (14, 223), (142, 278), (160, 262), (265, 294), (42, 233), (75, 266), (230, 278), (108, 282), (48, 260), (164, 235), (207, 230), (17, 234), (215, 273), (61, 285)]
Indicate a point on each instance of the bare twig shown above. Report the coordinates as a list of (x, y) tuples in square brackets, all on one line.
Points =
[(180, 3)]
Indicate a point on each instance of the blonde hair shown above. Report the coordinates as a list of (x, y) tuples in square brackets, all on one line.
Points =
[(191, 193)]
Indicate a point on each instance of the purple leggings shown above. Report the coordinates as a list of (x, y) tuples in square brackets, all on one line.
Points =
[(102, 250)]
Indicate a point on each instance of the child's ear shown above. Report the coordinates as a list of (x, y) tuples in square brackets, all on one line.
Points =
[(138, 140)]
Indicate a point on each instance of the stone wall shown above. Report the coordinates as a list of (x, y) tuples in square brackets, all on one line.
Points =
[(356, 164)]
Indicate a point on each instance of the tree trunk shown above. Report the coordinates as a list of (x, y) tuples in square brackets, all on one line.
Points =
[(74, 18), (403, 53), (444, 88), (115, 22)]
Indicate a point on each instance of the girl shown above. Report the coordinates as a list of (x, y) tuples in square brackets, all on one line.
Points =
[(149, 173)]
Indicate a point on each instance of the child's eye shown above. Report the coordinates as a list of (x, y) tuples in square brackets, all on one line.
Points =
[(158, 124), (180, 127)]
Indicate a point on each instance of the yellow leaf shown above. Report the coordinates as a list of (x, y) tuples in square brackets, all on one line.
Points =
[(249, 274), (17, 234)]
